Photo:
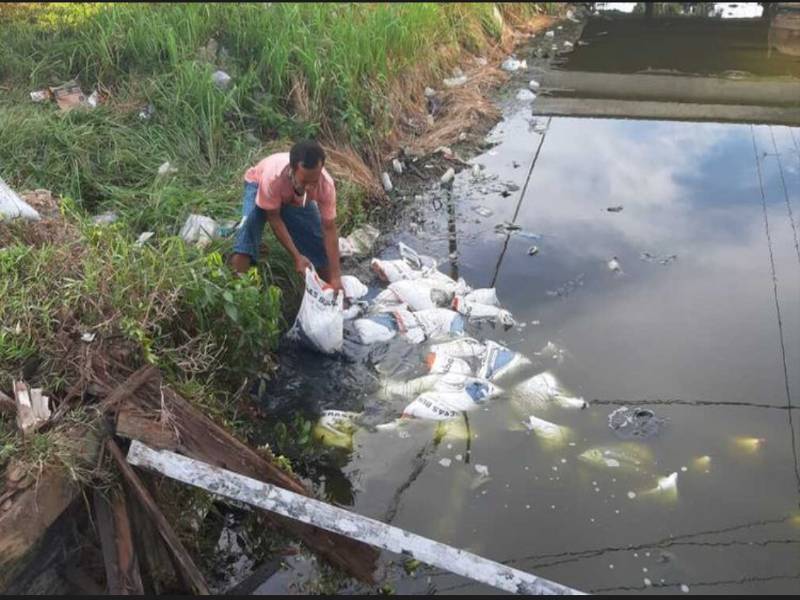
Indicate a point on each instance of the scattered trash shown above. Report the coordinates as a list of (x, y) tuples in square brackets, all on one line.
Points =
[(147, 112), (476, 171), (88, 337), (221, 79), (615, 209), (455, 81), (525, 95), (94, 99), (353, 288), (543, 390), (107, 218), (144, 237), (397, 166), (482, 211), (550, 433), (360, 241), (702, 464), (662, 260), (462, 136), (336, 428), (429, 92), (482, 470), (445, 462), (447, 178), (631, 495), (533, 250), (199, 230), (533, 85), (625, 457), (166, 169), (750, 445), (511, 64), (475, 311), (14, 207), (613, 265), (68, 96), (41, 96), (568, 44), (666, 489), (319, 322), (387, 182), (550, 34), (632, 423), (375, 329)]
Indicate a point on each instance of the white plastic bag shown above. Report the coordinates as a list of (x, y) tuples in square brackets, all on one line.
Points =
[(199, 230), (319, 323), (13, 207), (452, 382), (394, 270), (444, 403), (360, 241), (499, 361)]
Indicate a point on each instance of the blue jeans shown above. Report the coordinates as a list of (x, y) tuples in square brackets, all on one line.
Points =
[(303, 224)]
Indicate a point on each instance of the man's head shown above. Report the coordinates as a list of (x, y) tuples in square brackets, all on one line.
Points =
[(306, 160)]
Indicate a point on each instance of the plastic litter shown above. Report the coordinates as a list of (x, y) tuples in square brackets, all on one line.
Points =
[(107, 218), (14, 207), (525, 95), (615, 209), (550, 34), (533, 250), (483, 296), (353, 288), (144, 237), (511, 64), (429, 92), (420, 294), (375, 329), (147, 112), (666, 489), (397, 166), (335, 428), (199, 230), (432, 324), (455, 81), (395, 270), (460, 348), (477, 312), (442, 363), (447, 178), (360, 241), (482, 211), (319, 323), (387, 182), (166, 168), (221, 79), (550, 433), (533, 85), (40, 96), (613, 265), (543, 390)]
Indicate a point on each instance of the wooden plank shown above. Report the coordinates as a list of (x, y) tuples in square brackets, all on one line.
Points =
[(201, 438), (269, 497), (129, 387), (134, 425), (184, 562), (156, 560), (7, 405), (33, 408), (106, 532), (127, 559)]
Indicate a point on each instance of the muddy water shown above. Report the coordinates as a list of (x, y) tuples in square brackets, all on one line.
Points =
[(710, 341)]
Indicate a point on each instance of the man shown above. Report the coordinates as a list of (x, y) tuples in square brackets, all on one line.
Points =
[(297, 196)]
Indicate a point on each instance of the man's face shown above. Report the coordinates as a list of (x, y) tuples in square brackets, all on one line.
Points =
[(305, 180)]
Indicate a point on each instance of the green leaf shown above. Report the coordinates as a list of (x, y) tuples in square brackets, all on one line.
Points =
[(232, 312)]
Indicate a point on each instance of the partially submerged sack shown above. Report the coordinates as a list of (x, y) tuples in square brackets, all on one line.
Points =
[(438, 405), (375, 329), (394, 270), (431, 324), (460, 348), (442, 363), (483, 296), (336, 428), (475, 311), (451, 382), (542, 390), (319, 323), (499, 361), (420, 294)]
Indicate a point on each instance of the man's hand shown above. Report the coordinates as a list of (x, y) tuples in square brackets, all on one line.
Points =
[(301, 263), (336, 284)]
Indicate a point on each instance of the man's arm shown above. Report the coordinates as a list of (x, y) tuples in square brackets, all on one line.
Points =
[(280, 231), (330, 239)]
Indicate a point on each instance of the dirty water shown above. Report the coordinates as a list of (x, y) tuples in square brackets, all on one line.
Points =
[(700, 325)]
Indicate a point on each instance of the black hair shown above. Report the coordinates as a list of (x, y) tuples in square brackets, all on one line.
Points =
[(307, 153)]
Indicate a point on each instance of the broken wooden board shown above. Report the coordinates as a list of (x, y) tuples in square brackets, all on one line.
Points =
[(269, 497), (201, 438), (116, 540), (134, 423), (183, 560), (33, 407)]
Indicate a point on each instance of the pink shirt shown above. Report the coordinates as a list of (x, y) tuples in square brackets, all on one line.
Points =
[(275, 188)]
